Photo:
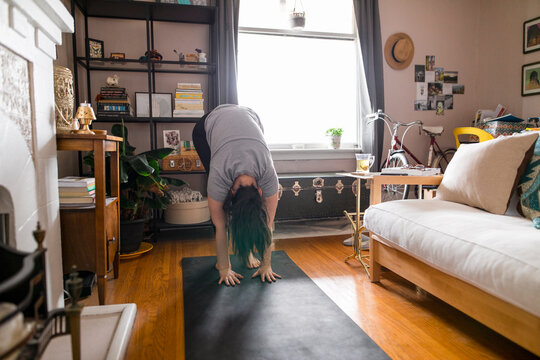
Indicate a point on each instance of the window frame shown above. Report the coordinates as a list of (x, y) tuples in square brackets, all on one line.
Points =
[(314, 150)]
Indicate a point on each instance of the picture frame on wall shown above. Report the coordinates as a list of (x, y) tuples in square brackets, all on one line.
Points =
[(161, 104), (95, 49), (530, 79), (531, 35)]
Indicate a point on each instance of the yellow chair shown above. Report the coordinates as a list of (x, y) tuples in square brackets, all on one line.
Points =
[(482, 135)]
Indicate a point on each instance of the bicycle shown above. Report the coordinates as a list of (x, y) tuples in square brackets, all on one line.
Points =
[(437, 158)]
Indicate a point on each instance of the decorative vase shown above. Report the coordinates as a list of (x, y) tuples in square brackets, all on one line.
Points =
[(64, 99), (334, 141), (131, 235)]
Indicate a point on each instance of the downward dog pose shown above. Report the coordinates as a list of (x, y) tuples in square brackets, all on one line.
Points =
[(242, 188)]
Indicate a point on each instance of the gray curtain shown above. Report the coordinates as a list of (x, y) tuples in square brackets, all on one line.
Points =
[(369, 36), (227, 42)]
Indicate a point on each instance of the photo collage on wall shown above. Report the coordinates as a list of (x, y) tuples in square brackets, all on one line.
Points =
[(435, 87)]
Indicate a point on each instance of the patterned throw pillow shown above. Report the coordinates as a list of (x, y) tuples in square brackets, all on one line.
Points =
[(529, 186)]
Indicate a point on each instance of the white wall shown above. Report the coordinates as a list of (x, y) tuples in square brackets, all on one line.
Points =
[(28, 35)]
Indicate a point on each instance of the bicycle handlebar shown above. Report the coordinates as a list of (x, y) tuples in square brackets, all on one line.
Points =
[(379, 115)]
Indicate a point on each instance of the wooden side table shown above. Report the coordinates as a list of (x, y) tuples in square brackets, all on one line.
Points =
[(91, 234), (376, 180)]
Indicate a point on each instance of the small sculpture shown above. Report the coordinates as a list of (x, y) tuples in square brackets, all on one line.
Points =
[(112, 80)]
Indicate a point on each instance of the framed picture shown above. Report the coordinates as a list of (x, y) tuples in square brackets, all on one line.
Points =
[(117, 56), (530, 75), (161, 105), (171, 139), (531, 35), (95, 49)]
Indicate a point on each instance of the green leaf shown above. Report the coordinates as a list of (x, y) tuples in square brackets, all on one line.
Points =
[(140, 165), (125, 203), (173, 181), (157, 203), (157, 153), (121, 130)]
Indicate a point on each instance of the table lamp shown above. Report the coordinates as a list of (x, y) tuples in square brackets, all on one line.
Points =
[(85, 115)]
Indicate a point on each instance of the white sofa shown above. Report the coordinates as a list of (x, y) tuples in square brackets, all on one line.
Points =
[(484, 264)]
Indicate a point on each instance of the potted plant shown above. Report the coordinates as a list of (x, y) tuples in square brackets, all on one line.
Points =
[(334, 135), (141, 188)]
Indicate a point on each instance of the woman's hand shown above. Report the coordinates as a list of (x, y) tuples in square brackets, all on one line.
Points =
[(228, 276), (252, 262), (266, 273)]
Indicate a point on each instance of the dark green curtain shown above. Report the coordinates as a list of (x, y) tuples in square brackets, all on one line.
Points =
[(369, 35), (227, 45)]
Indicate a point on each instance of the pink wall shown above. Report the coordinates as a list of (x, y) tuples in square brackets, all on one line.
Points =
[(446, 29), (501, 73), (482, 40)]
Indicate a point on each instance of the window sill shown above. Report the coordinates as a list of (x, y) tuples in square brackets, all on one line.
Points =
[(314, 154)]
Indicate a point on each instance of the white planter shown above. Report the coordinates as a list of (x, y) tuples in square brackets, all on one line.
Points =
[(334, 141), (187, 213)]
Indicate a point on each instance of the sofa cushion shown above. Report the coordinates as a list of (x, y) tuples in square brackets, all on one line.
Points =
[(483, 175), (529, 186), (496, 253)]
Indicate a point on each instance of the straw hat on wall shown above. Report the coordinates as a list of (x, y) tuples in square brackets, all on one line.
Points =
[(399, 51)]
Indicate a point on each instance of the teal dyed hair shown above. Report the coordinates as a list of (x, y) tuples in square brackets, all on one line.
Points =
[(248, 222)]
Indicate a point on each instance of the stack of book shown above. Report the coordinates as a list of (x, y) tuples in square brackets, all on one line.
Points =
[(189, 100), (113, 101), (75, 190)]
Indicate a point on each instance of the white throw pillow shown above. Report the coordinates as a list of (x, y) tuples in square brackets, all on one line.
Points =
[(483, 175)]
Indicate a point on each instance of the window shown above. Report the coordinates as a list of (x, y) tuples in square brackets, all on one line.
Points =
[(300, 82)]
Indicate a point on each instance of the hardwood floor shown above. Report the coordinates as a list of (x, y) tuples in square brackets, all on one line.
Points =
[(405, 323)]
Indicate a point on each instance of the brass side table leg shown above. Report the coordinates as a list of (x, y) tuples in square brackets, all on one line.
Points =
[(357, 232)]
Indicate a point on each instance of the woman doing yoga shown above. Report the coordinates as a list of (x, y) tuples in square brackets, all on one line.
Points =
[(242, 188)]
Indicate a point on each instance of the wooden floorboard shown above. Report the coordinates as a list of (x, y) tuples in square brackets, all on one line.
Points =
[(404, 322)]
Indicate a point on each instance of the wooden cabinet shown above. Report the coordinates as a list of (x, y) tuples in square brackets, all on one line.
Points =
[(91, 234)]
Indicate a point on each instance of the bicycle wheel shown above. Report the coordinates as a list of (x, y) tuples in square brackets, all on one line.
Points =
[(391, 191), (442, 160)]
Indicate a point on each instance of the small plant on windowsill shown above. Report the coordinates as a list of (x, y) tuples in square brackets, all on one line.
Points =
[(334, 136)]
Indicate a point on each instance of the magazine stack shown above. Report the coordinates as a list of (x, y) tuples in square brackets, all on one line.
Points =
[(189, 100), (76, 191)]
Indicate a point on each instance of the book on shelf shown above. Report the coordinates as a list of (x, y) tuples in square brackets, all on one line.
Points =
[(78, 200), (107, 100), (113, 89), (114, 114), (179, 105), (411, 171), (188, 113), (188, 86), (113, 107), (75, 192), (187, 95), (76, 181)]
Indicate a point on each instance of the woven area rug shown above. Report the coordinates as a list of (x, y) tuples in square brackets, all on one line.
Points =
[(290, 319)]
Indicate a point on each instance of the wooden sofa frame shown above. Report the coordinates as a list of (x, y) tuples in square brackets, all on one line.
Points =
[(508, 320)]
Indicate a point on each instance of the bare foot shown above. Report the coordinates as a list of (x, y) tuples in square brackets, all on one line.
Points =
[(252, 262)]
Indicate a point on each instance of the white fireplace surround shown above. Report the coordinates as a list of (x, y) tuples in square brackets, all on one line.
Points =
[(29, 33)]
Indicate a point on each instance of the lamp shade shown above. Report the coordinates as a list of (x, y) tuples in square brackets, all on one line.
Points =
[(85, 115), (85, 112)]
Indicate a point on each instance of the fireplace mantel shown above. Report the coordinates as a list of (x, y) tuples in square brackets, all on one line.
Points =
[(29, 33)]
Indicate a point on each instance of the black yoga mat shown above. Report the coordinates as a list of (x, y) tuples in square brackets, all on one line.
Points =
[(289, 319)]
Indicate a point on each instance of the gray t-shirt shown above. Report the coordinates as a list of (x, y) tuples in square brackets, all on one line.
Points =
[(237, 146)]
